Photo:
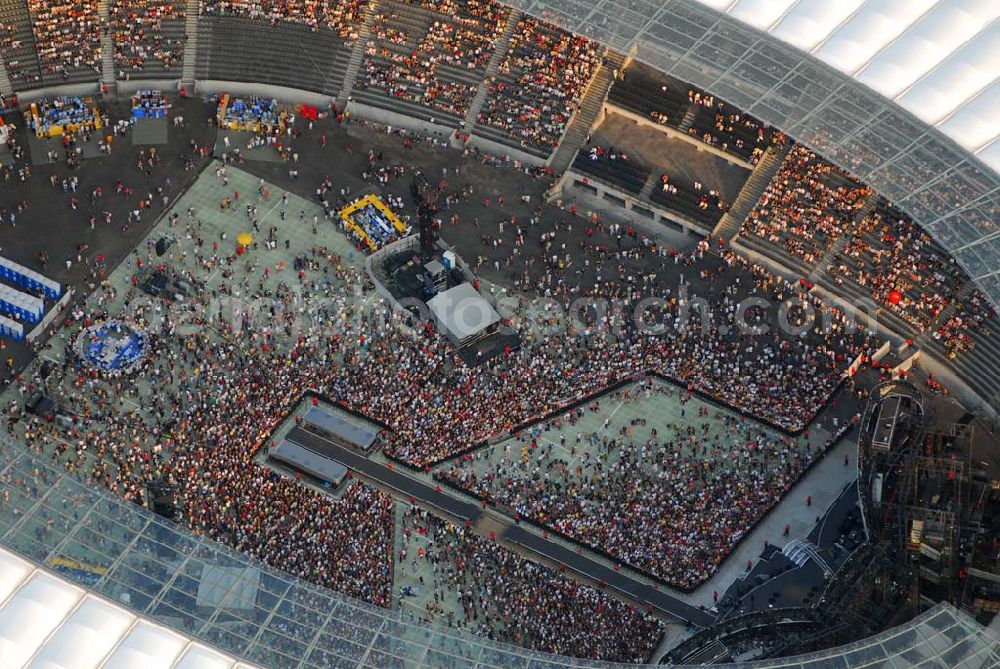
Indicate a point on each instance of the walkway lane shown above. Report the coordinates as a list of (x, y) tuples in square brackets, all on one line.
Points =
[(407, 486), (586, 566)]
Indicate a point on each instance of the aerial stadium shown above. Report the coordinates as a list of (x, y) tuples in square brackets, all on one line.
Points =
[(467, 333)]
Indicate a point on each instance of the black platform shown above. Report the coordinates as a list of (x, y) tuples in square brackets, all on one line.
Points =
[(401, 483), (636, 590)]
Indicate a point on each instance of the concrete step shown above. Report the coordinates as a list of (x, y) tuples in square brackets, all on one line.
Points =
[(688, 120), (647, 188), (500, 49), (6, 89), (191, 45), (108, 73), (729, 225), (583, 120), (357, 54)]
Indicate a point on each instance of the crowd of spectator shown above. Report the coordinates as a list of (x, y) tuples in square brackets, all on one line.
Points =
[(341, 16), (906, 272), (506, 597), (671, 500), (410, 65), (542, 78), (139, 39), (807, 206), (67, 35)]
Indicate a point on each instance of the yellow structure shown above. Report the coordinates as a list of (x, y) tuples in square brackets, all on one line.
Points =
[(42, 130), (357, 219)]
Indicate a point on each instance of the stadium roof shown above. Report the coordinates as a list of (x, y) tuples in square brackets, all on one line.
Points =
[(48, 623), (151, 569), (935, 58), (901, 93)]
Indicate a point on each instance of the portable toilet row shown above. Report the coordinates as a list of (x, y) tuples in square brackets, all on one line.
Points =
[(11, 329), (29, 278), (21, 305)]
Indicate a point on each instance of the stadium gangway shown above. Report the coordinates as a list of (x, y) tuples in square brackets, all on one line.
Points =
[(11, 329), (29, 278), (20, 305)]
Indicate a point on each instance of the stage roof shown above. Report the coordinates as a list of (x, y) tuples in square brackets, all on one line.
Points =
[(462, 312)]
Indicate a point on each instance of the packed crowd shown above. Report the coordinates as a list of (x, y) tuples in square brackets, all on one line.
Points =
[(216, 406), (671, 499), (542, 78), (464, 32), (341, 16), (67, 35), (139, 39), (906, 272), (807, 207), (409, 66), (506, 597)]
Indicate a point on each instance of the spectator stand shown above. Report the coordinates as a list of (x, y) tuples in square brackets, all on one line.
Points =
[(68, 40), (652, 98), (808, 206), (17, 44), (309, 44), (721, 125), (148, 38), (428, 59), (539, 86), (612, 178)]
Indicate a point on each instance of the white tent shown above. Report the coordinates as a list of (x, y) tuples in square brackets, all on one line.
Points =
[(462, 314)]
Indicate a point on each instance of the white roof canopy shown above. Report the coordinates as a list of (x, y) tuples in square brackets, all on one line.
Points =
[(935, 58), (49, 623)]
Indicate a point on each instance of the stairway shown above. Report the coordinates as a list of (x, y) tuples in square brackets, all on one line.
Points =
[(688, 119), (500, 48), (651, 182), (191, 46), (108, 74), (6, 89), (583, 120), (731, 222), (357, 54)]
